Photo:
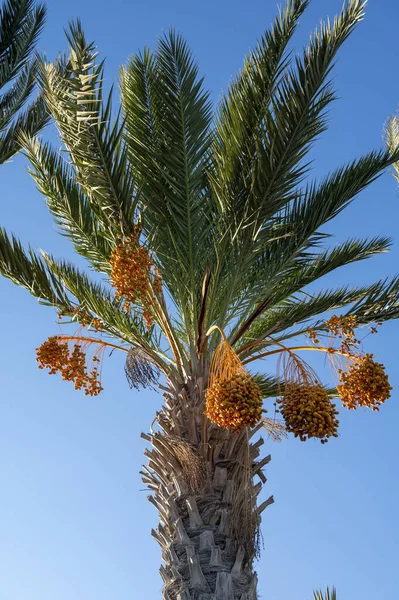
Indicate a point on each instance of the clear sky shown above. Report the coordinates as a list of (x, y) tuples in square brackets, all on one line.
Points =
[(74, 520)]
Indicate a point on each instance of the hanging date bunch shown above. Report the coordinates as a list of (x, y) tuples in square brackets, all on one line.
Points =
[(139, 372), (305, 404), (342, 327), (363, 381), (56, 356), (342, 338), (233, 399), (134, 276)]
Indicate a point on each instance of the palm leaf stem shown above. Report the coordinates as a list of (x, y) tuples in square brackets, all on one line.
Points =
[(90, 340), (167, 328), (296, 349)]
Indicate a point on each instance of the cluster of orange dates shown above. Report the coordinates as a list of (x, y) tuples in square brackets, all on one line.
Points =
[(235, 402), (365, 383), (134, 276), (308, 412), (54, 354)]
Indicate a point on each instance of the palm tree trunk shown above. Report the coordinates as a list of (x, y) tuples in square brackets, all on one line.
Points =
[(201, 479)]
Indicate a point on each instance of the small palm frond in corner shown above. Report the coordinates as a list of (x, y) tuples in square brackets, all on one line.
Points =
[(328, 595), (21, 22)]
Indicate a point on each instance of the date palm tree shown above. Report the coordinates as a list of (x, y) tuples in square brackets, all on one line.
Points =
[(205, 232), (21, 22)]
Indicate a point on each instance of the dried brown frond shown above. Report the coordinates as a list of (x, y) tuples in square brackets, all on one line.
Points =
[(139, 371), (275, 429), (245, 521), (192, 464)]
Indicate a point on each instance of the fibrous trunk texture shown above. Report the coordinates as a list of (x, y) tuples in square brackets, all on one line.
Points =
[(201, 480)]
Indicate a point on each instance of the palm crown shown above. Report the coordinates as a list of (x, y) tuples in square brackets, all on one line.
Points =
[(222, 202), (206, 229)]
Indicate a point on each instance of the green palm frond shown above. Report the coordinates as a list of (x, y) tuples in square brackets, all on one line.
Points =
[(272, 387), (377, 302), (291, 120), (21, 22), (167, 123), (381, 304), (28, 270), (74, 96), (29, 122), (91, 193), (288, 118), (14, 98), (298, 272), (64, 287), (302, 309), (56, 179), (243, 111), (295, 271), (268, 384), (321, 202)]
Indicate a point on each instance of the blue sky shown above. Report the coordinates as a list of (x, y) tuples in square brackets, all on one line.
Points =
[(74, 520)]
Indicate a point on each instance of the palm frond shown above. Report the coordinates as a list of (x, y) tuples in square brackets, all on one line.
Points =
[(14, 98), (293, 272), (321, 202), (371, 304), (168, 125), (56, 180), (268, 384), (28, 122), (242, 112), (292, 118), (99, 301), (28, 270), (74, 96), (381, 304), (329, 595), (301, 309), (21, 22), (296, 272)]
